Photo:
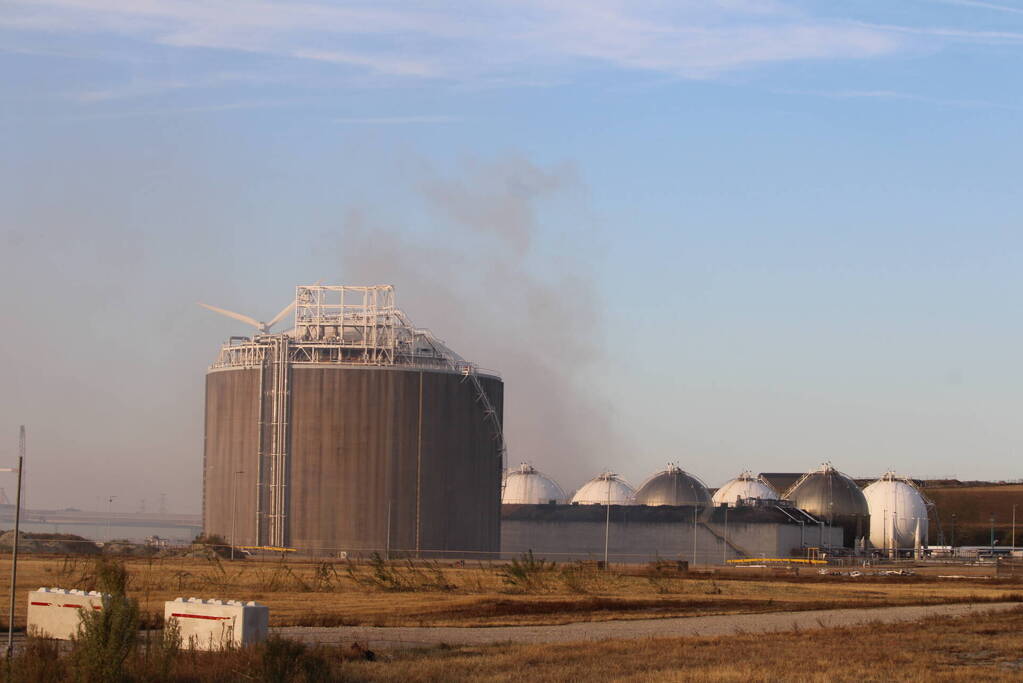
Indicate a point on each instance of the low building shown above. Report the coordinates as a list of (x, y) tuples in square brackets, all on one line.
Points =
[(639, 533)]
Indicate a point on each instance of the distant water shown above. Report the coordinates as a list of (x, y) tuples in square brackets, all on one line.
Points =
[(104, 532)]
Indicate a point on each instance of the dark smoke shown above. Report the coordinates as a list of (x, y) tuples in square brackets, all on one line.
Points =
[(485, 273)]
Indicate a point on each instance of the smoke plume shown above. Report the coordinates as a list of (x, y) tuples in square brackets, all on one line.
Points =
[(486, 272)]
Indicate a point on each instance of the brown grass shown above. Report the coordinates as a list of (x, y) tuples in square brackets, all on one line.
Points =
[(980, 648), (985, 648), (313, 593)]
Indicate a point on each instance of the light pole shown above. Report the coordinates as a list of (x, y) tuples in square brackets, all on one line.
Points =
[(234, 511), (952, 546), (992, 535), (607, 523), (1013, 550), (724, 542), (14, 551), (110, 513)]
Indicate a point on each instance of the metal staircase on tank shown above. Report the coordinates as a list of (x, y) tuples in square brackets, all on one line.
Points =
[(737, 549), (489, 414)]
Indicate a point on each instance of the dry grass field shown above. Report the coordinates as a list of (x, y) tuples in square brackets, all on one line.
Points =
[(980, 649), (304, 593)]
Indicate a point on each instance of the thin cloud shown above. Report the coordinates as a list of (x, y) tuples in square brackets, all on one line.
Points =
[(897, 95), (983, 5), (472, 42), (395, 120)]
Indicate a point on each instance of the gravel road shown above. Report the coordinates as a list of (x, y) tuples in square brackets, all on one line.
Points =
[(412, 636)]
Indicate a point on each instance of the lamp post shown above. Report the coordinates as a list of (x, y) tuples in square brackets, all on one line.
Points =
[(724, 542), (110, 513), (992, 535), (952, 545), (1012, 551), (14, 551), (607, 523), (234, 511)]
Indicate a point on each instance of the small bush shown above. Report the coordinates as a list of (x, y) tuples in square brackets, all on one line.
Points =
[(525, 571), (107, 637)]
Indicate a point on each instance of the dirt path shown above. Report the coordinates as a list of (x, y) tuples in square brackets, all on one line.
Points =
[(401, 637)]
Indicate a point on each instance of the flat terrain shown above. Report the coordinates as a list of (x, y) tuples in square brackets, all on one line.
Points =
[(719, 625), (302, 593), (979, 647)]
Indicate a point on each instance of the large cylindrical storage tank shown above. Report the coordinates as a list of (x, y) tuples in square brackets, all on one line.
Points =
[(315, 446), (607, 488), (898, 513), (673, 486), (745, 487), (835, 499), (526, 485)]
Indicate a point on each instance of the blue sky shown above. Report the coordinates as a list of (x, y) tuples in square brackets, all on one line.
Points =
[(725, 234)]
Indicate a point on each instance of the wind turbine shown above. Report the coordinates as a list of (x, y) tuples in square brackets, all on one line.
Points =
[(263, 327)]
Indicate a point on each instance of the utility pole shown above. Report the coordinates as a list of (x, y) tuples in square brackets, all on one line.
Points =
[(110, 513), (952, 546), (17, 531), (992, 535)]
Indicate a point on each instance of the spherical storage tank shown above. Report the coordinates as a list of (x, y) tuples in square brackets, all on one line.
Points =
[(525, 485), (835, 499), (746, 486), (607, 488), (673, 486), (898, 513), (354, 431)]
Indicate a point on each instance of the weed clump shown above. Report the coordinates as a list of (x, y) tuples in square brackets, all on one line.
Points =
[(525, 572)]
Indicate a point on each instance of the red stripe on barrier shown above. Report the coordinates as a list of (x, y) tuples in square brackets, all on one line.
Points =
[(42, 604), (197, 616), (75, 606)]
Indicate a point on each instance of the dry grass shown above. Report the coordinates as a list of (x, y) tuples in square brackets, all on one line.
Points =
[(985, 648), (312, 593)]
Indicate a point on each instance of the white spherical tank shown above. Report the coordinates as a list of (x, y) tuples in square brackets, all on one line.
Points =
[(898, 513), (525, 485), (744, 487), (606, 488)]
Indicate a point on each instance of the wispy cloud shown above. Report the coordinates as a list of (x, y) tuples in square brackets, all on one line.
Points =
[(395, 120), (897, 95), (471, 41), (984, 5)]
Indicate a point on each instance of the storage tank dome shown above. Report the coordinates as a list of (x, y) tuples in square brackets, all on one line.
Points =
[(605, 488), (673, 486), (834, 498), (525, 485), (896, 508), (744, 487)]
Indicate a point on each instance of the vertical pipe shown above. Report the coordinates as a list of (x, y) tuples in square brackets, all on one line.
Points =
[(387, 546), (419, 461), (14, 552)]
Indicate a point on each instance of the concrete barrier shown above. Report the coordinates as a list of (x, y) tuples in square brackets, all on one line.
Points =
[(56, 613), (216, 624)]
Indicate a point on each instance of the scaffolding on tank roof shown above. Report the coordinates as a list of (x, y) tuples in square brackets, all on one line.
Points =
[(334, 325)]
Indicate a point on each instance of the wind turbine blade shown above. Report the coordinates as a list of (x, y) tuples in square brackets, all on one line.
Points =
[(231, 314), (276, 319)]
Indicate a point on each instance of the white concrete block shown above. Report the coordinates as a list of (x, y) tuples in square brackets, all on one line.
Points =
[(55, 612), (216, 624)]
